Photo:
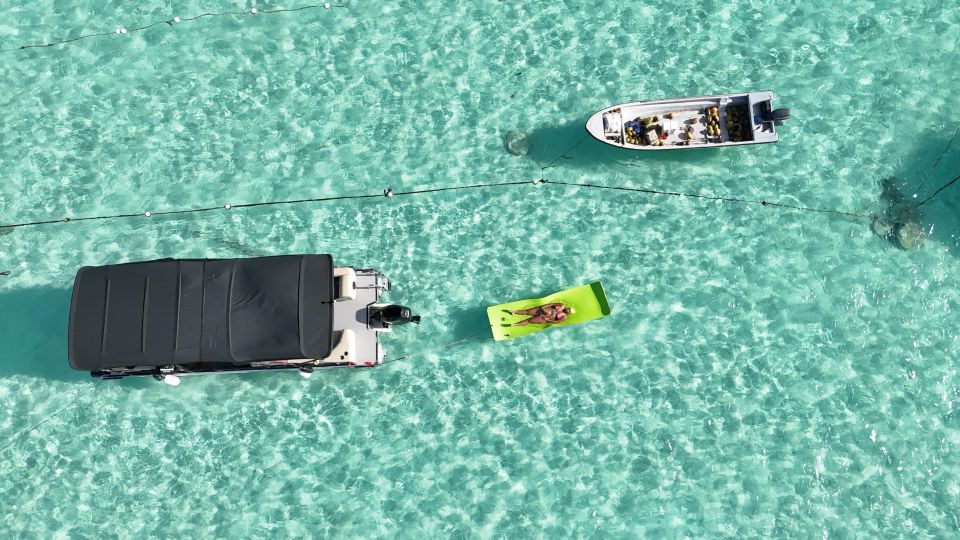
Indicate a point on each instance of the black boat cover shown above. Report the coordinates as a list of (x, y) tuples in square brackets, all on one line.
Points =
[(200, 311)]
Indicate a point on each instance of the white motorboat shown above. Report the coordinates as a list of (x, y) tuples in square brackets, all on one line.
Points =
[(693, 122)]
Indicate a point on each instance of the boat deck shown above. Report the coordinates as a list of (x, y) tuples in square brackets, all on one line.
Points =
[(352, 315), (684, 127), (676, 129), (709, 121)]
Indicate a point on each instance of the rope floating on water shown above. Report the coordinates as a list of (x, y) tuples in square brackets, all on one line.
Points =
[(937, 192), (75, 400), (441, 346), (710, 197), (691, 195), (389, 193), (175, 20), (562, 155), (937, 162)]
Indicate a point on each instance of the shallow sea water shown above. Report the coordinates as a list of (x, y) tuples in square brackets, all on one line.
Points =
[(765, 372)]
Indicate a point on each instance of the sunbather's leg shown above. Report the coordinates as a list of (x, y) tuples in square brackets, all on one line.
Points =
[(532, 320)]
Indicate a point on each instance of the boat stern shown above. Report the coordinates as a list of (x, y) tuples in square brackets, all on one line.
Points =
[(764, 119)]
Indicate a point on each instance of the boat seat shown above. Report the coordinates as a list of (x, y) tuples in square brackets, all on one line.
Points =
[(612, 122), (346, 277)]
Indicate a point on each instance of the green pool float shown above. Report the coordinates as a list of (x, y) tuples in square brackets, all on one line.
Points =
[(589, 303)]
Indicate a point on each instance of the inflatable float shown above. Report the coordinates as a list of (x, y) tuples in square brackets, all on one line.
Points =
[(589, 303)]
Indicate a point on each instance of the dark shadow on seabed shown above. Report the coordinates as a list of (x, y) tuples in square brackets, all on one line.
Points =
[(943, 212), (469, 322), (547, 143), (473, 322), (33, 334)]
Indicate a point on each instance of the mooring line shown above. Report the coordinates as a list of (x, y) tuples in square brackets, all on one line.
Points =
[(474, 337), (937, 192), (388, 192), (937, 162), (121, 31), (454, 188), (80, 394), (562, 155), (709, 197)]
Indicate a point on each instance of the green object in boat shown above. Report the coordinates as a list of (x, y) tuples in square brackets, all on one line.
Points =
[(589, 303)]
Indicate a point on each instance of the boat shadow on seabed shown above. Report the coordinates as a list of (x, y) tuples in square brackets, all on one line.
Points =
[(547, 143), (901, 220), (34, 333)]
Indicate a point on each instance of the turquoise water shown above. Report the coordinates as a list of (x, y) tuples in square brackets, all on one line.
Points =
[(764, 373)]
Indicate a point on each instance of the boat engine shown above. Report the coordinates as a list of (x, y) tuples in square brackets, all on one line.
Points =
[(777, 116), (392, 315)]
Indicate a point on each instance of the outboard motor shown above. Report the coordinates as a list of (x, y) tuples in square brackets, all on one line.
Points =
[(777, 116), (392, 314)]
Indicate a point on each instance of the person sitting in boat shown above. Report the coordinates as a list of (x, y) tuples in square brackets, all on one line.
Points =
[(545, 314)]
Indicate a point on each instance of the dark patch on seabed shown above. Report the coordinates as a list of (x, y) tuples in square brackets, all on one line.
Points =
[(926, 167), (899, 221), (233, 244), (34, 333), (469, 322), (547, 143)]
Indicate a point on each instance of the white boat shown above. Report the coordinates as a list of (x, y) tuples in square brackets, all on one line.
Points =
[(169, 318), (693, 122)]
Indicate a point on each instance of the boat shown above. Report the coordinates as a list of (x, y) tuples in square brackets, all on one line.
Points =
[(173, 317), (692, 122)]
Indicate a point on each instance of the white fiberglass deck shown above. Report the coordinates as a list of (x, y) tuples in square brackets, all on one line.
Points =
[(683, 122), (352, 315)]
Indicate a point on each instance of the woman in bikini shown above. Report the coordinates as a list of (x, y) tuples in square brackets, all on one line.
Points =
[(545, 314)]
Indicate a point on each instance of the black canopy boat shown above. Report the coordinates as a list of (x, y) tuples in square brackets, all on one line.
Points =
[(173, 317)]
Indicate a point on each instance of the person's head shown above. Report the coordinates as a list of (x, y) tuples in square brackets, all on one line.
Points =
[(569, 310)]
